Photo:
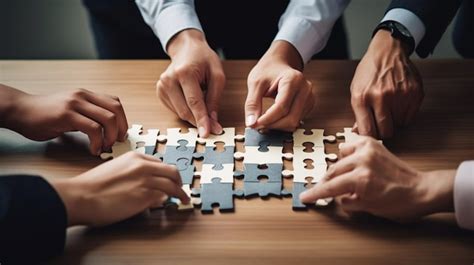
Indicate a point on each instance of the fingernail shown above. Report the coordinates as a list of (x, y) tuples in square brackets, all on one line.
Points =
[(201, 131), (214, 115), (216, 128), (250, 120)]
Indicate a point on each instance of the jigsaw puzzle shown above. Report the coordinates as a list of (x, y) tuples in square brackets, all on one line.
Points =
[(217, 193)]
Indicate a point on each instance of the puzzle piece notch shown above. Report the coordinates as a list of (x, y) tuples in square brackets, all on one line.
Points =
[(252, 172), (252, 155), (186, 170), (173, 153), (301, 174), (318, 155), (316, 137), (227, 138), (262, 189), (217, 193), (174, 135), (254, 137), (208, 173)]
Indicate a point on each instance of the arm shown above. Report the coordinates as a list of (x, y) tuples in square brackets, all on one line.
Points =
[(194, 65), (304, 30), (34, 213)]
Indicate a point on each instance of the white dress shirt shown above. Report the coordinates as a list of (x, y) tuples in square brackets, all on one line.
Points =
[(409, 20), (306, 24)]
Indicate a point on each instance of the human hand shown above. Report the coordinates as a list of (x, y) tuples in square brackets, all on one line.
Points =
[(44, 117), (118, 189), (370, 179), (194, 67), (278, 74), (387, 89)]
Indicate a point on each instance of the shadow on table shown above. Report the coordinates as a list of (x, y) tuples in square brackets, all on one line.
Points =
[(153, 226)]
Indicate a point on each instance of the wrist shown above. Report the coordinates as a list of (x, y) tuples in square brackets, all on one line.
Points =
[(286, 53), (183, 39), (437, 188), (10, 105), (71, 193), (384, 41)]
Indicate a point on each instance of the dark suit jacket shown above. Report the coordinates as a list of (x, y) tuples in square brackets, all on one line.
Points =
[(436, 16), (33, 220)]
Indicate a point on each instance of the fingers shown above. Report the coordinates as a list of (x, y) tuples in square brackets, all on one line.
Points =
[(364, 116), (351, 203), (92, 129), (113, 105), (195, 101), (213, 97), (105, 118), (383, 118), (284, 101), (337, 186), (170, 92), (167, 186), (253, 102), (342, 166)]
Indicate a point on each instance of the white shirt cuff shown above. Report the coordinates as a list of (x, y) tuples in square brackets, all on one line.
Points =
[(174, 19), (408, 19), (303, 36), (464, 195)]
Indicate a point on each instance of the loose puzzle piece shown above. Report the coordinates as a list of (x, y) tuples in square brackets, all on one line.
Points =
[(271, 138), (318, 155), (217, 193), (252, 172), (252, 155), (262, 189), (301, 174), (216, 158), (174, 135), (207, 174), (120, 148), (316, 137), (149, 140), (227, 137), (348, 135), (297, 189)]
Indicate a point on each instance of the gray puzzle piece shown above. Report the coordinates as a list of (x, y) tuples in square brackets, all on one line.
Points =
[(186, 170), (173, 153), (217, 193), (298, 188), (216, 158), (271, 138), (262, 189), (251, 172)]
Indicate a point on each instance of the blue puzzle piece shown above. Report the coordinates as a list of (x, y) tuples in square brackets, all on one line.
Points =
[(271, 138), (251, 172), (211, 156), (217, 193), (298, 188), (262, 189)]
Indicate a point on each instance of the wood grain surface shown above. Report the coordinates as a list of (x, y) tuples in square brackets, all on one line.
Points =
[(259, 231)]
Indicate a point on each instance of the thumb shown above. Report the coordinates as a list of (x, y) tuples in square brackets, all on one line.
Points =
[(253, 102)]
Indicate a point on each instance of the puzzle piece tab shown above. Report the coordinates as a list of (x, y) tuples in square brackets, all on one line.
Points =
[(227, 137)]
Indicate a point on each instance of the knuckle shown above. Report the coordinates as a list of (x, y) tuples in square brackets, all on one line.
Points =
[(111, 117), (193, 101), (79, 93)]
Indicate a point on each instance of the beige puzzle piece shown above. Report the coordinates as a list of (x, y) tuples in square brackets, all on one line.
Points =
[(350, 136), (120, 148), (174, 135), (227, 137), (274, 155), (318, 155), (300, 173), (207, 173), (316, 137), (190, 205), (133, 134)]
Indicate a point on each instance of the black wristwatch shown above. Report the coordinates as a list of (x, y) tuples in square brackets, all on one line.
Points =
[(399, 32)]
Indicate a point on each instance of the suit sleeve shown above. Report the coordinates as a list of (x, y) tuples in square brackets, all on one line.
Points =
[(435, 15), (33, 220)]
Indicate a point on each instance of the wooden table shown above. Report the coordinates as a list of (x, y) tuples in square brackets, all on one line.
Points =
[(260, 231)]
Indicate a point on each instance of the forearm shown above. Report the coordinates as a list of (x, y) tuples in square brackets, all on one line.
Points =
[(9, 102), (283, 51)]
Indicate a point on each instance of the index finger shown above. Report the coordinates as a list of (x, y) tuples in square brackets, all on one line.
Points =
[(195, 100), (336, 186)]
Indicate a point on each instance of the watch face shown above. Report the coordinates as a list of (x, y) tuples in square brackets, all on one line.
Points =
[(402, 29)]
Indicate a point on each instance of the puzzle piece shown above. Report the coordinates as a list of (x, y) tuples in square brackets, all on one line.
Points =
[(227, 137), (216, 158), (252, 155), (207, 174), (348, 135), (271, 138), (297, 189), (181, 206), (318, 155), (262, 189), (173, 153), (186, 170), (174, 135), (252, 172), (316, 137), (301, 174), (217, 193), (120, 148)]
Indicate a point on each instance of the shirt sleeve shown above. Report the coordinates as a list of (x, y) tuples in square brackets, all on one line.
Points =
[(33, 220), (169, 17), (464, 195), (408, 19), (307, 24)]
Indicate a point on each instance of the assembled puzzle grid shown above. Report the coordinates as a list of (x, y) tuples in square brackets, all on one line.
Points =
[(262, 162)]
